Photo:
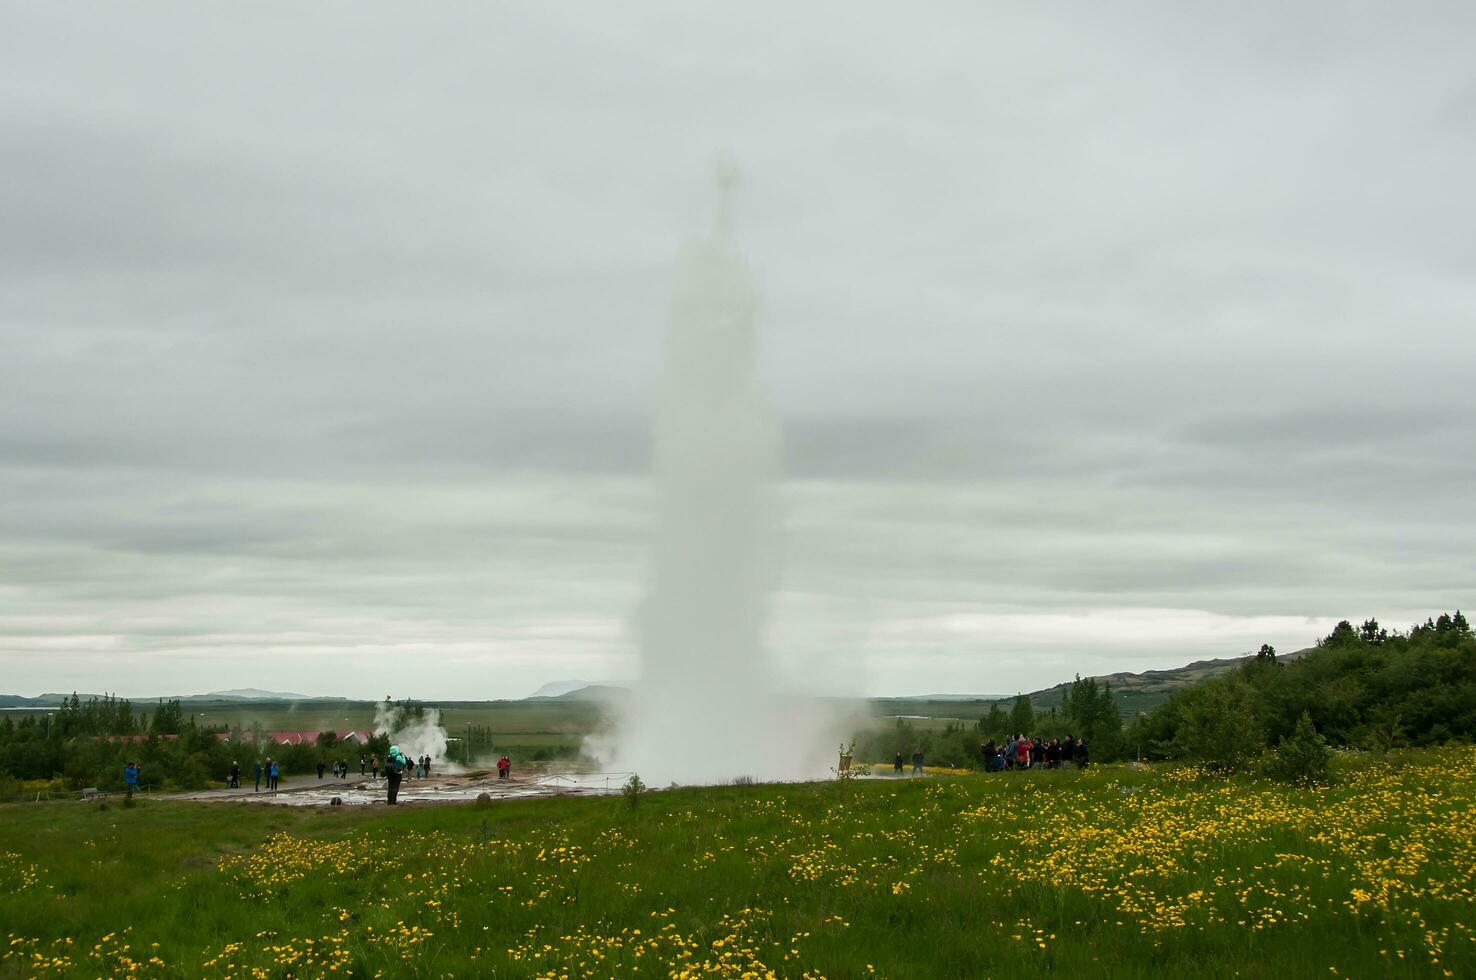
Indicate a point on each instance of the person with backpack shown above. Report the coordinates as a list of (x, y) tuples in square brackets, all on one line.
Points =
[(394, 771)]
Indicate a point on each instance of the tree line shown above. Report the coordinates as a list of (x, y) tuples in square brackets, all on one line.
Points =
[(1362, 687), (87, 743)]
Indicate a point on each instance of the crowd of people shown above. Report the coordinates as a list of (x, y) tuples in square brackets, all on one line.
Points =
[(396, 766), (1024, 752), (1015, 752)]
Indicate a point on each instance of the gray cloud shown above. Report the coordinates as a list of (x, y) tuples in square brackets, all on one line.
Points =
[(335, 336)]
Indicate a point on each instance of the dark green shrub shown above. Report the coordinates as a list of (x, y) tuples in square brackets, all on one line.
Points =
[(1302, 757)]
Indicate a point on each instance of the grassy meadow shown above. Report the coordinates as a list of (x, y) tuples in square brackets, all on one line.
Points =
[(1114, 872)]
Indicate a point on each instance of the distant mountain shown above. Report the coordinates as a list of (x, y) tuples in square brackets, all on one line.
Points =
[(1141, 691), (250, 694), (557, 689), (236, 694), (952, 697), (20, 701), (595, 692)]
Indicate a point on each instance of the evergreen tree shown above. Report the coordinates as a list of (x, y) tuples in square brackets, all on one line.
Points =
[(993, 724), (168, 719), (1022, 716), (1106, 731)]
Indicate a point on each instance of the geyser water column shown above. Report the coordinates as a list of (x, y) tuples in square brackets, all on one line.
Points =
[(705, 708)]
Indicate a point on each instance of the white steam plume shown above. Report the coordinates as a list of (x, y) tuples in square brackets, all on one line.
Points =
[(706, 707), (416, 736)]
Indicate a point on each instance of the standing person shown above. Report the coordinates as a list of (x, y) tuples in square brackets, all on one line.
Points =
[(1022, 753), (374, 767), (130, 778), (504, 767), (394, 768), (258, 777), (1009, 752), (917, 761), (321, 768), (273, 773), (1081, 753), (363, 762), (897, 764), (427, 763), (1068, 749)]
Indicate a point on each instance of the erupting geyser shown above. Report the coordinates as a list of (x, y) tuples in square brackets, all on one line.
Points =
[(705, 708)]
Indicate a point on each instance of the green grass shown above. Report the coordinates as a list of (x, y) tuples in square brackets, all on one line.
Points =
[(1113, 872)]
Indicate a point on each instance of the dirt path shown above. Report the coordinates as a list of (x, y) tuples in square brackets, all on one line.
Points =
[(450, 788)]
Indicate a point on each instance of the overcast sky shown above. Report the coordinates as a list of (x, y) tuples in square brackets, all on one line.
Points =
[(1104, 336)]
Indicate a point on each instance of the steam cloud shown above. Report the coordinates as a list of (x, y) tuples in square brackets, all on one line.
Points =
[(416, 736)]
